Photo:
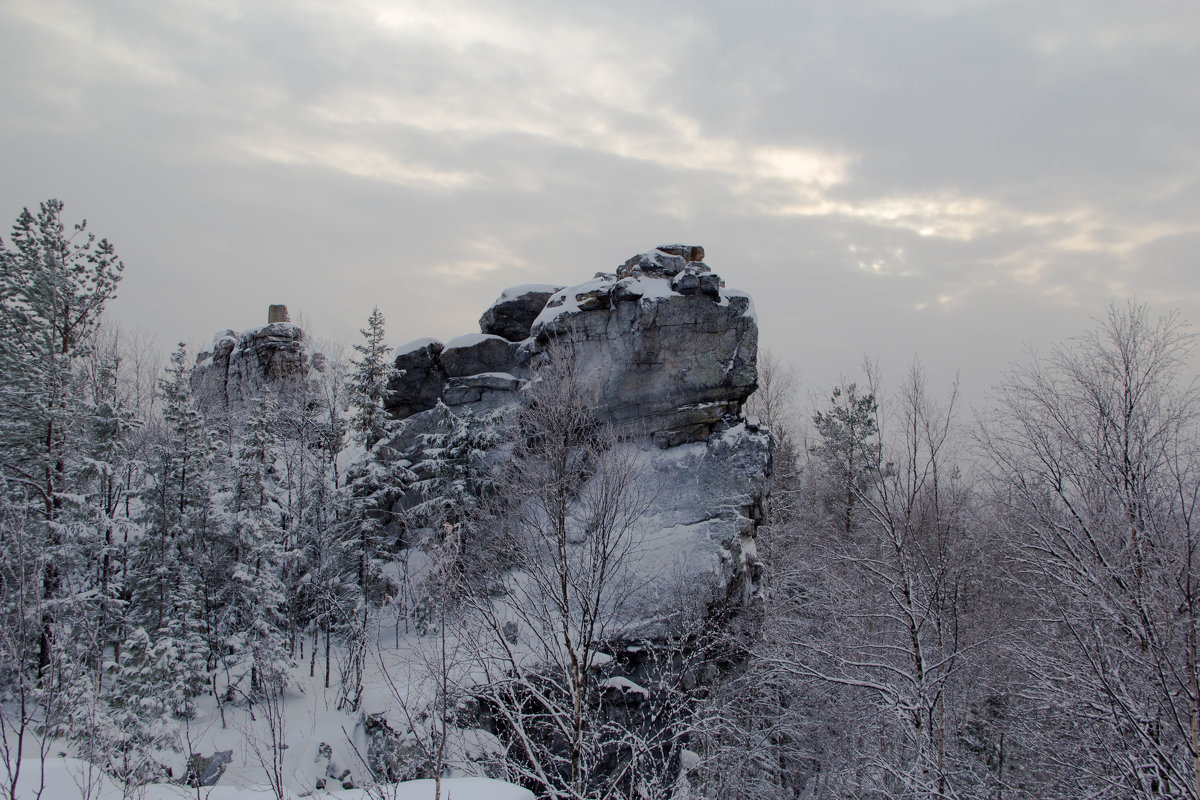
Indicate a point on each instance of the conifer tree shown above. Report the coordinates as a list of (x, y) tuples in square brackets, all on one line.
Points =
[(256, 594), (173, 563), (113, 422), (53, 288), (146, 688), (849, 447), (368, 381)]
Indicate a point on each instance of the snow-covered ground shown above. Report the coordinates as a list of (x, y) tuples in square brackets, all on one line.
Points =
[(322, 742), (69, 779)]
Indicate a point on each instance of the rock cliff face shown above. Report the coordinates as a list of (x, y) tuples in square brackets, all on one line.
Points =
[(668, 355), (664, 348), (240, 366)]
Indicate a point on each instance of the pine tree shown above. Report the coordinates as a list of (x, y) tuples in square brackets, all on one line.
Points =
[(256, 596), (173, 563), (53, 288), (849, 448), (369, 380)]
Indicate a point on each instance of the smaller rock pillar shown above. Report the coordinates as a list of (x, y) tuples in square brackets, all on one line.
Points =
[(277, 313)]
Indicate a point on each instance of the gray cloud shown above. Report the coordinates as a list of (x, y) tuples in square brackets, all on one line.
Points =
[(934, 178)]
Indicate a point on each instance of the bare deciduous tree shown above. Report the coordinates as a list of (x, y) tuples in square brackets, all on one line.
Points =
[(865, 610), (565, 511), (1094, 453)]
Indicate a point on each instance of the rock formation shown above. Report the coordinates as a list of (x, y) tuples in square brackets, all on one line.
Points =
[(667, 351), (515, 310), (238, 367), (668, 355)]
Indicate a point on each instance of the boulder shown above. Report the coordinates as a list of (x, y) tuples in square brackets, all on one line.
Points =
[(419, 378), (478, 352), (664, 261), (202, 770), (515, 310), (488, 390), (690, 252)]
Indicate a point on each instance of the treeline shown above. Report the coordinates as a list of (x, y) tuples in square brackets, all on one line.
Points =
[(1001, 606)]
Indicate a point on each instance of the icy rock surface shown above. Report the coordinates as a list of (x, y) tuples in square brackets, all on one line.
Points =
[(696, 546)]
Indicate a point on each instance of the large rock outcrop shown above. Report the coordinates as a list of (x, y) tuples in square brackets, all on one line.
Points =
[(239, 367), (662, 356), (667, 355), (664, 348)]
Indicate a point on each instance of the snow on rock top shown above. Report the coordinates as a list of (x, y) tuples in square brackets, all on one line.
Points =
[(417, 344), (528, 288), (571, 300), (470, 340), (273, 329), (729, 296)]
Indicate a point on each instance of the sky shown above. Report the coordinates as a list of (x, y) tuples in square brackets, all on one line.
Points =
[(949, 181)]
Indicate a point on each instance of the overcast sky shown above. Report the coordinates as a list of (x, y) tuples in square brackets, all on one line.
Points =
[(936, 178)]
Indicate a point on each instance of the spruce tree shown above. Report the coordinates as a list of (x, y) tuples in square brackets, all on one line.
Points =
[(369, 380), (102, 546), (256, 595), (174, 564), (146, 688)]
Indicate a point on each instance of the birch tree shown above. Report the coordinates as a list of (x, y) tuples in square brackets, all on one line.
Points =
[(866, 615), (565, 511), (1093, 450)]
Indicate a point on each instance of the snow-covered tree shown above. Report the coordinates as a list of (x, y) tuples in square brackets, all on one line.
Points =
[(54, 285), (848, 445), (174, 564), (894, 584), (1095, 454), (145, 690), (369, 379), (562, 521), (255, 599), (871, 663)]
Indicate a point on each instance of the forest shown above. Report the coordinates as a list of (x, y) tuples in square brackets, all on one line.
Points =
[(999, 604)]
